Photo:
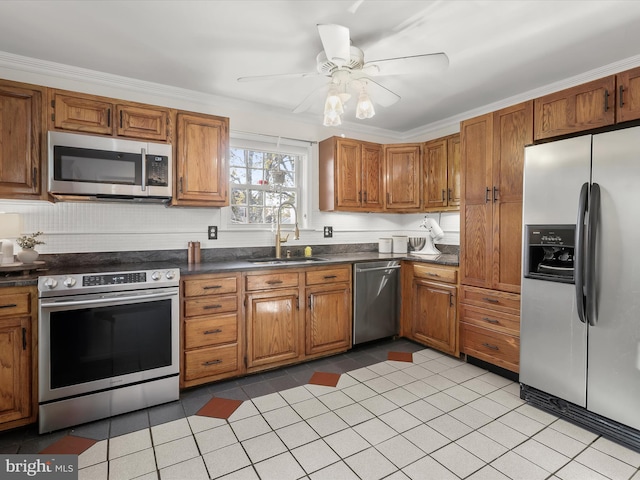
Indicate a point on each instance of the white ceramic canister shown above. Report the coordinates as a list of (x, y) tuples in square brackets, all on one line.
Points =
[(400, 243), (385, 245)]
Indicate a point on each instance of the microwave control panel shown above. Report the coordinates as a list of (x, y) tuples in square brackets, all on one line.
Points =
[(157, 170)]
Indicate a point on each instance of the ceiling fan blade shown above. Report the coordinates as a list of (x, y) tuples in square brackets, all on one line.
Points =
[(380, 94), (277, 76), (427, 63), (313, 98), (336, 43)]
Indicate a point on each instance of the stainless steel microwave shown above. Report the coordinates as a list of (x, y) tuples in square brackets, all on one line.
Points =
[(86, 167)]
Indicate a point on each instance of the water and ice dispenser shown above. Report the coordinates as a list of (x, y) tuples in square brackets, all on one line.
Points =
[(549, 252)]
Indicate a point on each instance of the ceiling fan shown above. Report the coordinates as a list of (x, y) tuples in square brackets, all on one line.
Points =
[(344, 64)]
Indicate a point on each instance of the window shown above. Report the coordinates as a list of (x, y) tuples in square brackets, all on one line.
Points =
[(262, 177)]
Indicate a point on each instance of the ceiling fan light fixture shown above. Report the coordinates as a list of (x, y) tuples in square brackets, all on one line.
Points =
[(331, 119), (333, 103), (364, 108)]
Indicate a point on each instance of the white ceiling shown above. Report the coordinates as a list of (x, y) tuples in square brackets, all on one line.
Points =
[(497, 49)]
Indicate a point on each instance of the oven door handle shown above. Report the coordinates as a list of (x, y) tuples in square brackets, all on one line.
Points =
[(106, 300)]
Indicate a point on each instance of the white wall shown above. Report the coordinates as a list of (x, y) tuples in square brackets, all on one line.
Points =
[(101, 227)]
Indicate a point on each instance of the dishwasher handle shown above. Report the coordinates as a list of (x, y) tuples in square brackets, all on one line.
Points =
[(361, 269)]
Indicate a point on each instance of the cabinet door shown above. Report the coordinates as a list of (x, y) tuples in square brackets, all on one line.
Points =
[(453, 171), (348, 174), (15, 374), (512, 130), (201, 160), (328, 323), (434, 315), (435, 188), (21, 137), (576, 109), (402, 178), (372, 177), (142, 122), (475, 207), (82, 114), (628, 101), (272, 327)]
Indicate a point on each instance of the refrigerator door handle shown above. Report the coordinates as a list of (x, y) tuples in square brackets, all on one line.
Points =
[(590, 267), (579, 253)]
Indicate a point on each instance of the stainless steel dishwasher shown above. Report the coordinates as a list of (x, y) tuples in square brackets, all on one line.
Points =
[(376, 300)]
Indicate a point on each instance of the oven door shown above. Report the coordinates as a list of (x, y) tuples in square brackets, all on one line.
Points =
[(95, 342)]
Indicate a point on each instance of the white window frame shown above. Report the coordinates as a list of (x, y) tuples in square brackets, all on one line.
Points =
[(277, 145)]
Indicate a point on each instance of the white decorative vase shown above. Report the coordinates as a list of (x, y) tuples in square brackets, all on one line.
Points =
[(28, 255)]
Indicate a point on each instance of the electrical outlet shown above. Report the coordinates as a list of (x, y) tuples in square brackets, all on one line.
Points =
[(328, 232), (213, 232)]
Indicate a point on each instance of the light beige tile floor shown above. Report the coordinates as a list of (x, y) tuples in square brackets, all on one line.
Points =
[(435, 418)]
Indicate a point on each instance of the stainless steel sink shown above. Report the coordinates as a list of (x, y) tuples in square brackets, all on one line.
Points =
[(289, 260)]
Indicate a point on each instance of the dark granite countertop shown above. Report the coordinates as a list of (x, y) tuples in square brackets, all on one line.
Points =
[(89, 263)]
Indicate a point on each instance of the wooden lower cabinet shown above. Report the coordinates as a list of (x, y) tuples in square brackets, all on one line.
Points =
[(211, 329), (328, 316), (273, 327), (490, 326), (18, 356), (429, 305)]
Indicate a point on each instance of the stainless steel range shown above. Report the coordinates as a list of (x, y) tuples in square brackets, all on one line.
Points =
[(108, 344)]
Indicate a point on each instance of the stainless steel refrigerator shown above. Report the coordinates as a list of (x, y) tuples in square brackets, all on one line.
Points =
[(580, 311)]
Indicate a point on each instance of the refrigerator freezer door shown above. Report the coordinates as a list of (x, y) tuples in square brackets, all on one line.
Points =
[(553, 341), (614, 341)]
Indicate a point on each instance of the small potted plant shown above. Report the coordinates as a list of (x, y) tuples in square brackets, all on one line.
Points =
[(27, 244)]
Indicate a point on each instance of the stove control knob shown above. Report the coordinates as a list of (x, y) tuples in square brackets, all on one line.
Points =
[(51, 283), (156, 276), (69, 282), (170, 274)]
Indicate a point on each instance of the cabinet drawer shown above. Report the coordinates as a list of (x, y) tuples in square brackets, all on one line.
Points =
[(332, 275), (490, 319), (210, 305), (205, 362), (492, 299), (203, 331), (210, 286), (435, 273), (272, 280), (498, 348), (17, 303)]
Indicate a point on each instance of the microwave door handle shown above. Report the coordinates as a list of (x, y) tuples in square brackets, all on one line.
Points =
[(579, 256), (144, 169)]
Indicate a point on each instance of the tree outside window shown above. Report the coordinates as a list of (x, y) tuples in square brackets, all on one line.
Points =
[(260, 182)]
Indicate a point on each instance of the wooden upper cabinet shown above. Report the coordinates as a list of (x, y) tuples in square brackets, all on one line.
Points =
[(441, 187), (476, 136), (491, 209), (78, 112), (22, 143), (628, 95), (576, 109), (512, 130), (402, 177), (202, 160), (350, 175)]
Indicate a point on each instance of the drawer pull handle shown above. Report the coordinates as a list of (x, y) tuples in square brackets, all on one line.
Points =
[(490, 320), (9, 305), (210, 307), (210, 287), (211, 362), (209, 332), (490, 300), (327, 277), (432, 274), (492, 347), (274, 282)]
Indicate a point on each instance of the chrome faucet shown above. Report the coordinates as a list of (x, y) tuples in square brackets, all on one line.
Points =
[(279, 238)]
